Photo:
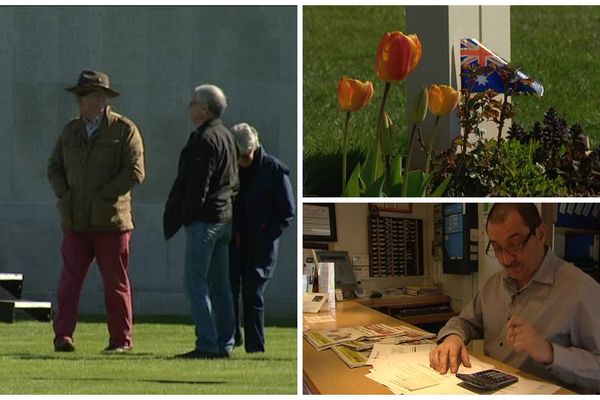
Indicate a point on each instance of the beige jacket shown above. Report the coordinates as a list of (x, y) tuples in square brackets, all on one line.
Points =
[(92, 178)]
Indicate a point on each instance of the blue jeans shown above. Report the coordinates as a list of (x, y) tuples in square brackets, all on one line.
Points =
[(206, 282)]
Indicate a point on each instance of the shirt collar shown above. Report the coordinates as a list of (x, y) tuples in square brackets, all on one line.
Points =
[(91, 126), (544, 274)]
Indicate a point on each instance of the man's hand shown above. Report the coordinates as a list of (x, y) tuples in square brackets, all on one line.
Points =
[(449, 354), (524, 338)]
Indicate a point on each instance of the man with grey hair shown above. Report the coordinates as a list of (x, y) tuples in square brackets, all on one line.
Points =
[(263, 209), (201, 199)]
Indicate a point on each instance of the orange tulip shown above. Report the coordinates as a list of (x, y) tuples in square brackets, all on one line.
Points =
[(398, 55), (442, 99), (354, 94)]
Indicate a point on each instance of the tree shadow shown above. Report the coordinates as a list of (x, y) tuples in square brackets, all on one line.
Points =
[(163, 381), (67, 356), (323, 173)]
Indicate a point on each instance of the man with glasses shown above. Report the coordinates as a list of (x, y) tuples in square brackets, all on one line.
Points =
[(538, 314), (97, 160), (201, 199)]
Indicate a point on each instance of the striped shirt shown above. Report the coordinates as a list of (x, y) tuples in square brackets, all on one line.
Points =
[(561, 302)]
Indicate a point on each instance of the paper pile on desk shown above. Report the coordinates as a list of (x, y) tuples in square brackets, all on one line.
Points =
[(325, 339), (353, 357), (409, 373)]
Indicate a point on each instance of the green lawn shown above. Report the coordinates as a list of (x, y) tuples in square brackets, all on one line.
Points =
[(557, 45), (29, 364), (341, 41)]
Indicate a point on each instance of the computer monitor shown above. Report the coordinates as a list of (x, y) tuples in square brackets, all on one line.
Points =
[(344, 275)]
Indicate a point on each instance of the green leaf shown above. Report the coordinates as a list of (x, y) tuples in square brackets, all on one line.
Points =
[(376, 188), (439, 191), (373, 167), (396, 175), (417, 183), (353, 185)]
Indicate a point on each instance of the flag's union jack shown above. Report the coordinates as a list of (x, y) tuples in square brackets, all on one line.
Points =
[(473, 53)]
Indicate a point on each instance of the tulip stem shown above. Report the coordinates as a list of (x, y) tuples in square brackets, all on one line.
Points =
[(386, 90), (345, 154), (430, 149), (408, 157), (420, 140)]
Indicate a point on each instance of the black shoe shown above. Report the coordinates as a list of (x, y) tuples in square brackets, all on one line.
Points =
[(64, 345), (117, 349), (200, 355), (239, 339)]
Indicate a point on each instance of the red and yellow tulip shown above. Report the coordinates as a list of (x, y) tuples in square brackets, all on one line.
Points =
[(398, 55), (442, 99), (354, 94)]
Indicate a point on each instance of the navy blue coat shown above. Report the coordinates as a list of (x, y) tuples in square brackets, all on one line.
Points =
[(264, 207)]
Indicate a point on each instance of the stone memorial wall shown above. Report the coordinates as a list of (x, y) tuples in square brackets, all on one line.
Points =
[(154, 56)]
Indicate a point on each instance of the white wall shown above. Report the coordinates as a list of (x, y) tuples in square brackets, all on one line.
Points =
[(352, 237), (352, 231)]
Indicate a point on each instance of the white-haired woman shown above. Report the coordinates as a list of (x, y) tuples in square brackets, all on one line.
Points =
[(265, 206)]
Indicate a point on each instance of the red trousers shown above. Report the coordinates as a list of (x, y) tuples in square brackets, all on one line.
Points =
[(111, 251)]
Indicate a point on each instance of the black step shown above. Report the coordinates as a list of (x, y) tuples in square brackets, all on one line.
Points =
[(40, 310), (12, 283)]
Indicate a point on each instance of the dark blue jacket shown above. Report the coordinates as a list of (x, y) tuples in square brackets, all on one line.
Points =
[(265, 206)]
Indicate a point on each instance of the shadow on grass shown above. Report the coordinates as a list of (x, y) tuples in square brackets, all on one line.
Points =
[(129, 380), (120, 356), (181, 320), (267, 359), (131, 356)]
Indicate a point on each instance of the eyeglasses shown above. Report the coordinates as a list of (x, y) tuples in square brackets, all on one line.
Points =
[(513, 249)]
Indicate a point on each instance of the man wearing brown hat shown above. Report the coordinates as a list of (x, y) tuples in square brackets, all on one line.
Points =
[(97, 160)]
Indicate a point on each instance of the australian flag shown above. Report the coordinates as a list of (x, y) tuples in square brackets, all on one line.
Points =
[(473, 53)]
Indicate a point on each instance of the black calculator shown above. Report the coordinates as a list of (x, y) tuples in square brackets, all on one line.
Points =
[(490, 379)]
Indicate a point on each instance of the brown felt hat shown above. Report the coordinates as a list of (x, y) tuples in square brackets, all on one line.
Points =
[(90, 81)]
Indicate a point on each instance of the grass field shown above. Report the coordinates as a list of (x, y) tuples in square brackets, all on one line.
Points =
[(29, 364), (556, 45)]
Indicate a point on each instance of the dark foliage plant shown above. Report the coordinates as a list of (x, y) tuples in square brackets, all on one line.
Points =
[(551, 159)]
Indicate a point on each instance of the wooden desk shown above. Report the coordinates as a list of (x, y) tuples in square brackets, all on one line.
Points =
[(390, 304), (325, 373)]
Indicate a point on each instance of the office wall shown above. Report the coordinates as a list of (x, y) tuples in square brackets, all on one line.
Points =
[(352, 237), (154, 56), (352, 230)]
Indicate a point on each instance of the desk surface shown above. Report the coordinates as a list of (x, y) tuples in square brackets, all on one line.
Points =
[(325, 373), (404, 301)]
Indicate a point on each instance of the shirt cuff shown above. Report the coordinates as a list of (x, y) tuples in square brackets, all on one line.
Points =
[(445, 333), (560, 361)]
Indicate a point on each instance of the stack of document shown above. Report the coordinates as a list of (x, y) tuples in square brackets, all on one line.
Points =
[(360, 356), (423, 290), (353, 345), (325, 339), (408, 372)]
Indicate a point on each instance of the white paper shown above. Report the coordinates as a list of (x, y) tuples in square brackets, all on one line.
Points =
[(406, 372), (415, 376), (384, 351), (528, 386)]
